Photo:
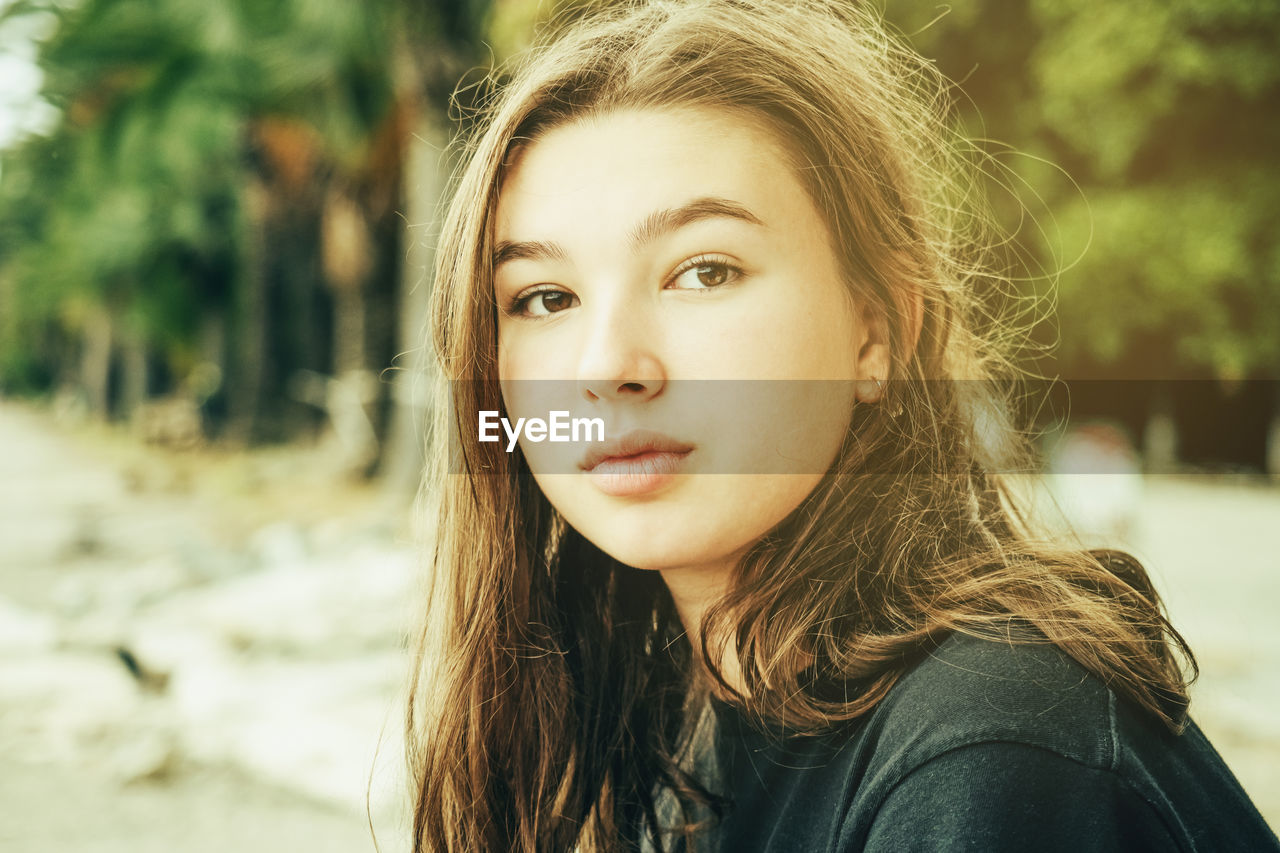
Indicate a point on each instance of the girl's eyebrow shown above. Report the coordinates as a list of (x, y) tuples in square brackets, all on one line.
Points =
[(663, 222), (531, 250), (653, 226)]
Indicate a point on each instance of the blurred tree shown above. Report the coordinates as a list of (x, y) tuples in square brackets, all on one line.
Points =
[(428, 71), (131, 227), (1131, 150), (1165, 119), (223, 186), (229, 179)]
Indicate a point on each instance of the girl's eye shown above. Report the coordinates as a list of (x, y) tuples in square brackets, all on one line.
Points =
[(703, 274), (540, 303)]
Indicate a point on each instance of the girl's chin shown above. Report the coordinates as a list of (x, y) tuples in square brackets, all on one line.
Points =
[(650, 560), (651, 556)]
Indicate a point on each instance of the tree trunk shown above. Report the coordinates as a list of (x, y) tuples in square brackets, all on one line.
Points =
[(1273, 436), (1160, 438), (347, 247), (425, 175), (350, 332), (244, 386), (210, 374), (95, 362), (133, 376)]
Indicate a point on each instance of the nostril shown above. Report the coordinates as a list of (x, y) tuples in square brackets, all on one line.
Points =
[(631, 386)]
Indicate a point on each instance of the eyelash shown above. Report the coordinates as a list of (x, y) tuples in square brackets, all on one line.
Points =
[(734, 271), (517, 306)]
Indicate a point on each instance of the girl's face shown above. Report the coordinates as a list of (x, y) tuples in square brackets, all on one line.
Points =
[(669, 273)]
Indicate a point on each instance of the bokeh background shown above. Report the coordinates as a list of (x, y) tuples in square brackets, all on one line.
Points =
[(216, 220)]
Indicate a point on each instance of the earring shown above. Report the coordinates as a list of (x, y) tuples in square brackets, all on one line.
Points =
[(897, 407)]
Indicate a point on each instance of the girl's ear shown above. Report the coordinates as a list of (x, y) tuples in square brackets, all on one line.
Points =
[(875, 357)]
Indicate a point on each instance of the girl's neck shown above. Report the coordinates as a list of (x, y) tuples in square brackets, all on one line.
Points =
[(694, 590)]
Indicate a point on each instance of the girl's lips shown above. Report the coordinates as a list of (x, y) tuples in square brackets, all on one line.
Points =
[(635, 443), (643, 473)]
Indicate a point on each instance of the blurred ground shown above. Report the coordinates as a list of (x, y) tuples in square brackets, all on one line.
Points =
[(1214, 548), (59, 806), (263, 603)]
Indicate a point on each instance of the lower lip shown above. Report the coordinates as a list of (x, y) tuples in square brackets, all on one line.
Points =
[(629, 476)]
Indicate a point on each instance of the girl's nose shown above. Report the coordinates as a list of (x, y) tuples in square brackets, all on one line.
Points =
[(619, 359)]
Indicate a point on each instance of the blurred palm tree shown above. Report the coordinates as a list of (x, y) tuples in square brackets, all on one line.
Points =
[(223, 188)]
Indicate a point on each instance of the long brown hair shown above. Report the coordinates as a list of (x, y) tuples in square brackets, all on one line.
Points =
[(554, 693)]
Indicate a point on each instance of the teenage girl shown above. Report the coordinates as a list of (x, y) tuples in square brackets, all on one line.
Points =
[(784, 600)]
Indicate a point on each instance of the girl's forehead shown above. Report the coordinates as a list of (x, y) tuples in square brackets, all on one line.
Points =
[(668, 126), (611, 165)]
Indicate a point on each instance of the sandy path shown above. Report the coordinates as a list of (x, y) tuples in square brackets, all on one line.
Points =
[(83, 511), (59, 808)]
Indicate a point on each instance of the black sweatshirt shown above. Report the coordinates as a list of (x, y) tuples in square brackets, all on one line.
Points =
[(984, 746)]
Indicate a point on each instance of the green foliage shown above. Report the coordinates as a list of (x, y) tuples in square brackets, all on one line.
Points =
[(134, 205), (1165, 119)]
